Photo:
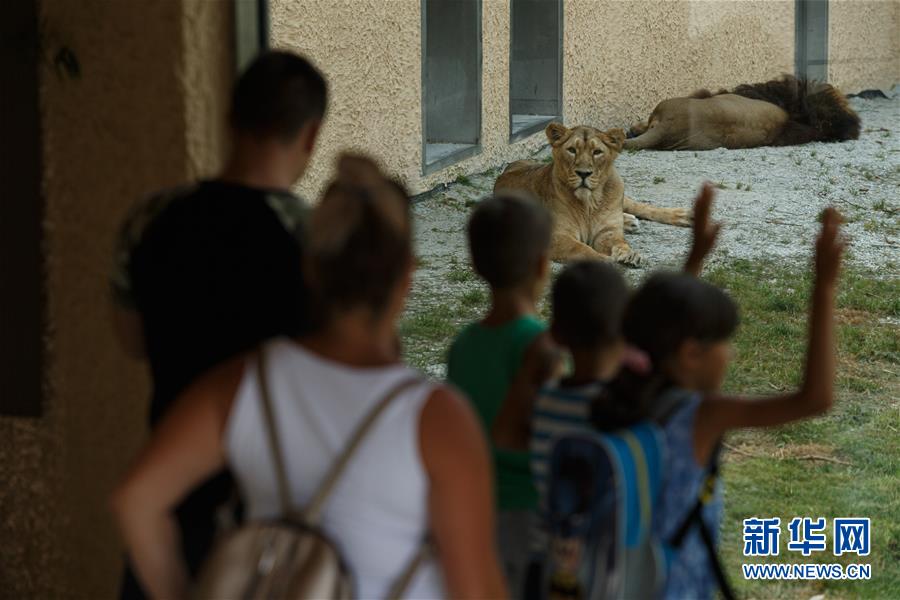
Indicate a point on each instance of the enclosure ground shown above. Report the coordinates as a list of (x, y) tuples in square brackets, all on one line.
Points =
[(842, 464)]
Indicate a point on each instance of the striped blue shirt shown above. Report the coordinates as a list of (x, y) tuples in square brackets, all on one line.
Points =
[(558, 412)]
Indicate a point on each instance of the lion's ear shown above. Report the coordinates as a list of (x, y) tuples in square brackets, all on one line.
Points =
[(556, 133), (614, 138)]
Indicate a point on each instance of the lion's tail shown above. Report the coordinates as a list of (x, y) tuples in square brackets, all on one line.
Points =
[(817, 111), (651, 138)]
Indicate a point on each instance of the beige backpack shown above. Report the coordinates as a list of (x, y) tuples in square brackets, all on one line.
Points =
[(291, 557)]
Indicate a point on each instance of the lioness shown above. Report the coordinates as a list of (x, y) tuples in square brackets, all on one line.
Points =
[(586, 195), (781, 112)]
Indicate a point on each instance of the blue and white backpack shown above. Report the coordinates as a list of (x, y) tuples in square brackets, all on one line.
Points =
[(602, 491)]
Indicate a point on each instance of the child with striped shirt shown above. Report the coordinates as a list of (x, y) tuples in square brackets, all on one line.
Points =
[(588, 302), (589, 299)]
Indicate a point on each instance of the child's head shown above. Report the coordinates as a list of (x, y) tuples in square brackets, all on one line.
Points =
[(509, 240), (360, 242), (684, 325), (589, 298)]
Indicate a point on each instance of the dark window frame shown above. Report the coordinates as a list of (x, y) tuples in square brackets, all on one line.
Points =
[(524, 132), (804, 12), (251, 30), (474, 148)]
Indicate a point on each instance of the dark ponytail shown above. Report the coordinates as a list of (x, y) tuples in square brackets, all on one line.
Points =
[(667, 310)]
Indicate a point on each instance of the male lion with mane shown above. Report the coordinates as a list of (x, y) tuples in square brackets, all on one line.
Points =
[(782, 112), (586, 196)]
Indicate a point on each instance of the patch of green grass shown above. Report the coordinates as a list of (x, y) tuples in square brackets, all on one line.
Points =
[(720, 185), (882, 205), (861, 430), (463, 180), (658, 180), (868, 174), (887, 226), (475, 298), (434, 323), (426, 335), (461, 275), (777, 478)]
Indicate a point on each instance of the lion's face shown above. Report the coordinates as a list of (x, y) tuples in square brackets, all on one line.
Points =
[(582, 156)]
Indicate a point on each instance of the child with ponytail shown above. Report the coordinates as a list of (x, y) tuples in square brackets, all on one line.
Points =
[(685, 326)]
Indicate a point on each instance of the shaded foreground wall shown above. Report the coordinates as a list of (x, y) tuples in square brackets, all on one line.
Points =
[(145, 111), (620, 59)]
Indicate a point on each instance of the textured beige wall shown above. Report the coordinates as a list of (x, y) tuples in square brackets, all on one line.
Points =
[(864, 44), (621, 57), (370, 51), (145, 112)]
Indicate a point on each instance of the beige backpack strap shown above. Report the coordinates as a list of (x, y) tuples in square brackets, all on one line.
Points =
[(313, 510), (284, 495), (401, 584)]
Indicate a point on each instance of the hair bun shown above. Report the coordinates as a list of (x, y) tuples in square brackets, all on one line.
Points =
[(359, 171), (359, 194)]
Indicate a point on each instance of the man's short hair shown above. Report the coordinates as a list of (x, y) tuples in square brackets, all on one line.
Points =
[(589, 299), (508, 234), (277, 95)]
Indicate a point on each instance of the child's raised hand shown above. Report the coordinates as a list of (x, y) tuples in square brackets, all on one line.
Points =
[(705, 231), (829, 247)]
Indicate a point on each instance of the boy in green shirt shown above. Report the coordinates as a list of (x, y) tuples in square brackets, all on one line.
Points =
[(509, 240)]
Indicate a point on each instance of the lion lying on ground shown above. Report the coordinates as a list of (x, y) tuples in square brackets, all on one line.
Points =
[(781, 112), (586, 195)]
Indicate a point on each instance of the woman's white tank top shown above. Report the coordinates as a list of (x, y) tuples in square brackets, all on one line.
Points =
[(377, 514)]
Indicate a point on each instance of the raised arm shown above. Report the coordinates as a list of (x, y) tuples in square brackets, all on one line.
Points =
[(461, 498), (185, 449), (705, 231), (816, 394)]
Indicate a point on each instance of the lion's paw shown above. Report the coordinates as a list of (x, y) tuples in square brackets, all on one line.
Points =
[(630, 223), (682, 217), (627, 257)]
